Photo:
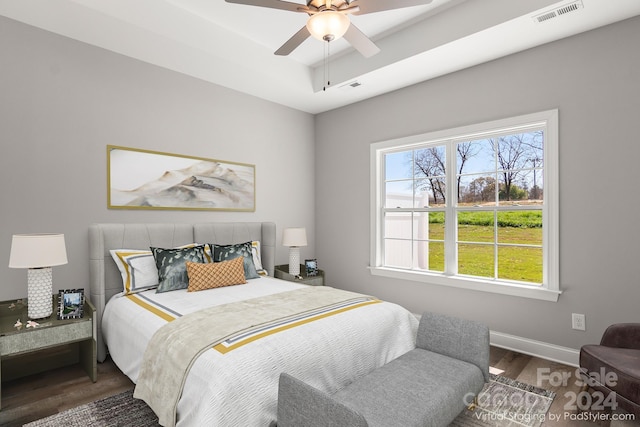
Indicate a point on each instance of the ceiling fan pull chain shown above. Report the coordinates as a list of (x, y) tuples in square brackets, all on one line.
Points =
[(328, 63), (326, 66)]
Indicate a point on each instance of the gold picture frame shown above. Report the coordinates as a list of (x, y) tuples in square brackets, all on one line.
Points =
[(145, 179)]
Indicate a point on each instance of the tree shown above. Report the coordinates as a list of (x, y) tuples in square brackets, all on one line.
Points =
[(482, 189), (430, 164), (535, 193), (515, 193), (466, 150), (512, 153)]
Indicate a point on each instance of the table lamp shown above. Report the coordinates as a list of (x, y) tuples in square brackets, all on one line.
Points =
[(294, 238), (38, 253)]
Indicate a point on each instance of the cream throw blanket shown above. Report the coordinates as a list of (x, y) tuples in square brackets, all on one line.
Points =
[(174, 347)]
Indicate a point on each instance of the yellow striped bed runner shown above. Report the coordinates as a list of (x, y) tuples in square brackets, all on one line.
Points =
[(259, 331)]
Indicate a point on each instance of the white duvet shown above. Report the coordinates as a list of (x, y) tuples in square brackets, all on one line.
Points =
[(239, 388)]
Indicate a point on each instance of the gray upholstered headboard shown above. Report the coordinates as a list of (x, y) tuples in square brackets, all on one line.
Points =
[(105, 279)]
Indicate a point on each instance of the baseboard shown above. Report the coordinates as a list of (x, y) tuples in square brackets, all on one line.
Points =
[(552, 352), (555, 353)]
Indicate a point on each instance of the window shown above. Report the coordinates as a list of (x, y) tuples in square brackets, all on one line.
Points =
[(473, 207)]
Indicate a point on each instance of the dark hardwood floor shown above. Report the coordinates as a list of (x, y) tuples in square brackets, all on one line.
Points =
[(31, 398)]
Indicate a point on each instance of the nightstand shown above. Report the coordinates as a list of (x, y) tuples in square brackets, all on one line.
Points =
[(18, 347), (282, 272)]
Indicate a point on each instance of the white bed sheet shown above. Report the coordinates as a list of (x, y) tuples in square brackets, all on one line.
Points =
[(240, 387)]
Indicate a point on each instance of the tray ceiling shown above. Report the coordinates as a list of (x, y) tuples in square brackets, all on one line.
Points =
[(232, 45)]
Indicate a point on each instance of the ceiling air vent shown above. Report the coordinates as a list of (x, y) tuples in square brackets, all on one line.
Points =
[(351, 85), (559, 11)]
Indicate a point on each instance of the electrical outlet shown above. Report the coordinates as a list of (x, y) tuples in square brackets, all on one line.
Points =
[(577, 321)]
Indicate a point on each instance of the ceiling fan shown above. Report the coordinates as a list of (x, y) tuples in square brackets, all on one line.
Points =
[(328, 20)]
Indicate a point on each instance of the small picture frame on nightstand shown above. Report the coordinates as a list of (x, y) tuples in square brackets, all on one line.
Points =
[(311, 267), (71, 304)]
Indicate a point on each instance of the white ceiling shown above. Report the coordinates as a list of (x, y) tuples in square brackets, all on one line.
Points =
[(232, 45)]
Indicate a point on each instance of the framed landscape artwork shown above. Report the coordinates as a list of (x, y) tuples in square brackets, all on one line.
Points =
[(143, 179)]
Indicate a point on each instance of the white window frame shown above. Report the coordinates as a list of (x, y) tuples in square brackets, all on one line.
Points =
[(549, 290)]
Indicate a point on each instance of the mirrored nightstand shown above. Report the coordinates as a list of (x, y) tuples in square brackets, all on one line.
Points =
[(282, 272), (18, 344)]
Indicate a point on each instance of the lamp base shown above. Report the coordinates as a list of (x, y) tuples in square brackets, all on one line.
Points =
[(39, 292), (294, 260)]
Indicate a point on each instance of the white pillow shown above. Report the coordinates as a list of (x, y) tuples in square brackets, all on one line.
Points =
[(138, 269), (257, 258)]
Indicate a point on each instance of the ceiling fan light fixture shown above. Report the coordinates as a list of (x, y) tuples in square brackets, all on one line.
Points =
[(328, 25)]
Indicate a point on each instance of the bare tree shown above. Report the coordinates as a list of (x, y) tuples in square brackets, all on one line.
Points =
[(512, 153), (430, 164), (466, 150)]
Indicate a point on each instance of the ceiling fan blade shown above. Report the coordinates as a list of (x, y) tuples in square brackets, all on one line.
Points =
[(295, 41), (272, 4), (371, 6), (360, 41)]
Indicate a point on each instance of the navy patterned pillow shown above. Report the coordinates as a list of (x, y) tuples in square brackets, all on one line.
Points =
[(172, 269), (229, 252)]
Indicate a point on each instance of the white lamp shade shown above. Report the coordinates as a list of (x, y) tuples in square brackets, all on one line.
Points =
[(37, 250), (294, 237), (328, 23)]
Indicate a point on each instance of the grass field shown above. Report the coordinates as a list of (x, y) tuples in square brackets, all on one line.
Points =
[(476, 251)]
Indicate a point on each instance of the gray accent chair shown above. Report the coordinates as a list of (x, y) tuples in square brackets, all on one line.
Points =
[(427, 386)]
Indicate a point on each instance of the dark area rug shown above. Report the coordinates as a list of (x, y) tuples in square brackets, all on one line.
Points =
[(503, 402), (119, 410)]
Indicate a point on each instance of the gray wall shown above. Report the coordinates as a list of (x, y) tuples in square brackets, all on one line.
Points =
[(594, 81), (62, 102)]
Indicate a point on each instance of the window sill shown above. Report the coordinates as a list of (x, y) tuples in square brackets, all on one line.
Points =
[(524, 291)]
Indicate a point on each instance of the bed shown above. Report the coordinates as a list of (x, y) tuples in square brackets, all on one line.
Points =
[(234, 382)]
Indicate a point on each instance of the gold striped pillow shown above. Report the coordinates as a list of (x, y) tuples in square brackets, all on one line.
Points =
[(215, 275)]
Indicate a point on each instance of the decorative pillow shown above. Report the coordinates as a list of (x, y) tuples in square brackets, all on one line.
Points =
[(208, 256), (172, 271), (218, 274), (137, 268), (228, 252), (257, 258)]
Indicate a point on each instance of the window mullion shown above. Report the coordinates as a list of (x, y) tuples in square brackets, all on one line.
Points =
[(495, 243), (451, 221)]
